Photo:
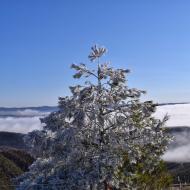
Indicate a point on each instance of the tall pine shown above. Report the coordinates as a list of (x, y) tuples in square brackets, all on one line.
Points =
[(102, 137)]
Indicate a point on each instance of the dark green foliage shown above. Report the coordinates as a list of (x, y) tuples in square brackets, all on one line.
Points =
[(20, 158), (8, 170), (13, 163), (157, 179)]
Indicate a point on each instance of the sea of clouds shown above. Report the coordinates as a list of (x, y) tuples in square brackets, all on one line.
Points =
[(21, 121), (20, 124), (179, 116), (27, 120)]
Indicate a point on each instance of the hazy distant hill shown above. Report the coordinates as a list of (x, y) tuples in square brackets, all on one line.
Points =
[(181, 136), (179, 171), (164, 104), (27, 111), (40, 108), (178, 129), (14, 140)]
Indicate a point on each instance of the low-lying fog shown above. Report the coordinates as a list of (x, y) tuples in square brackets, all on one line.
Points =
[(21, 120), (26, 120), (179, 117)]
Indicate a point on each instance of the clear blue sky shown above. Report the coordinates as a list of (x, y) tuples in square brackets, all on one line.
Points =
[(39, 39)]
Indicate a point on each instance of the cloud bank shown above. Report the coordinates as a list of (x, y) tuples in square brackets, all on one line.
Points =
[(21, 121), (27, 120), (179, 114), (179, 117), (179, 154), (20, 124)]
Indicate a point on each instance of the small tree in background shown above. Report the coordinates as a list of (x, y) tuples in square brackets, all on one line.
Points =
[(103, 136)]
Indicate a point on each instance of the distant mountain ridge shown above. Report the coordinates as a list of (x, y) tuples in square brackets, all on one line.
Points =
[(172, 103), (40, 108), (27, 111), (55, 108)]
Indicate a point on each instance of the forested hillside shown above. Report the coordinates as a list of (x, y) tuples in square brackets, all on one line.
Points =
[(13, 162)]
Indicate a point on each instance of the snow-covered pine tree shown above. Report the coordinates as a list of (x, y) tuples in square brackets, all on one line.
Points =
[(98, 135)]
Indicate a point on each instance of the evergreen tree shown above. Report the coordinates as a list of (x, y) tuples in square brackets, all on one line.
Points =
[(103, 135)]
